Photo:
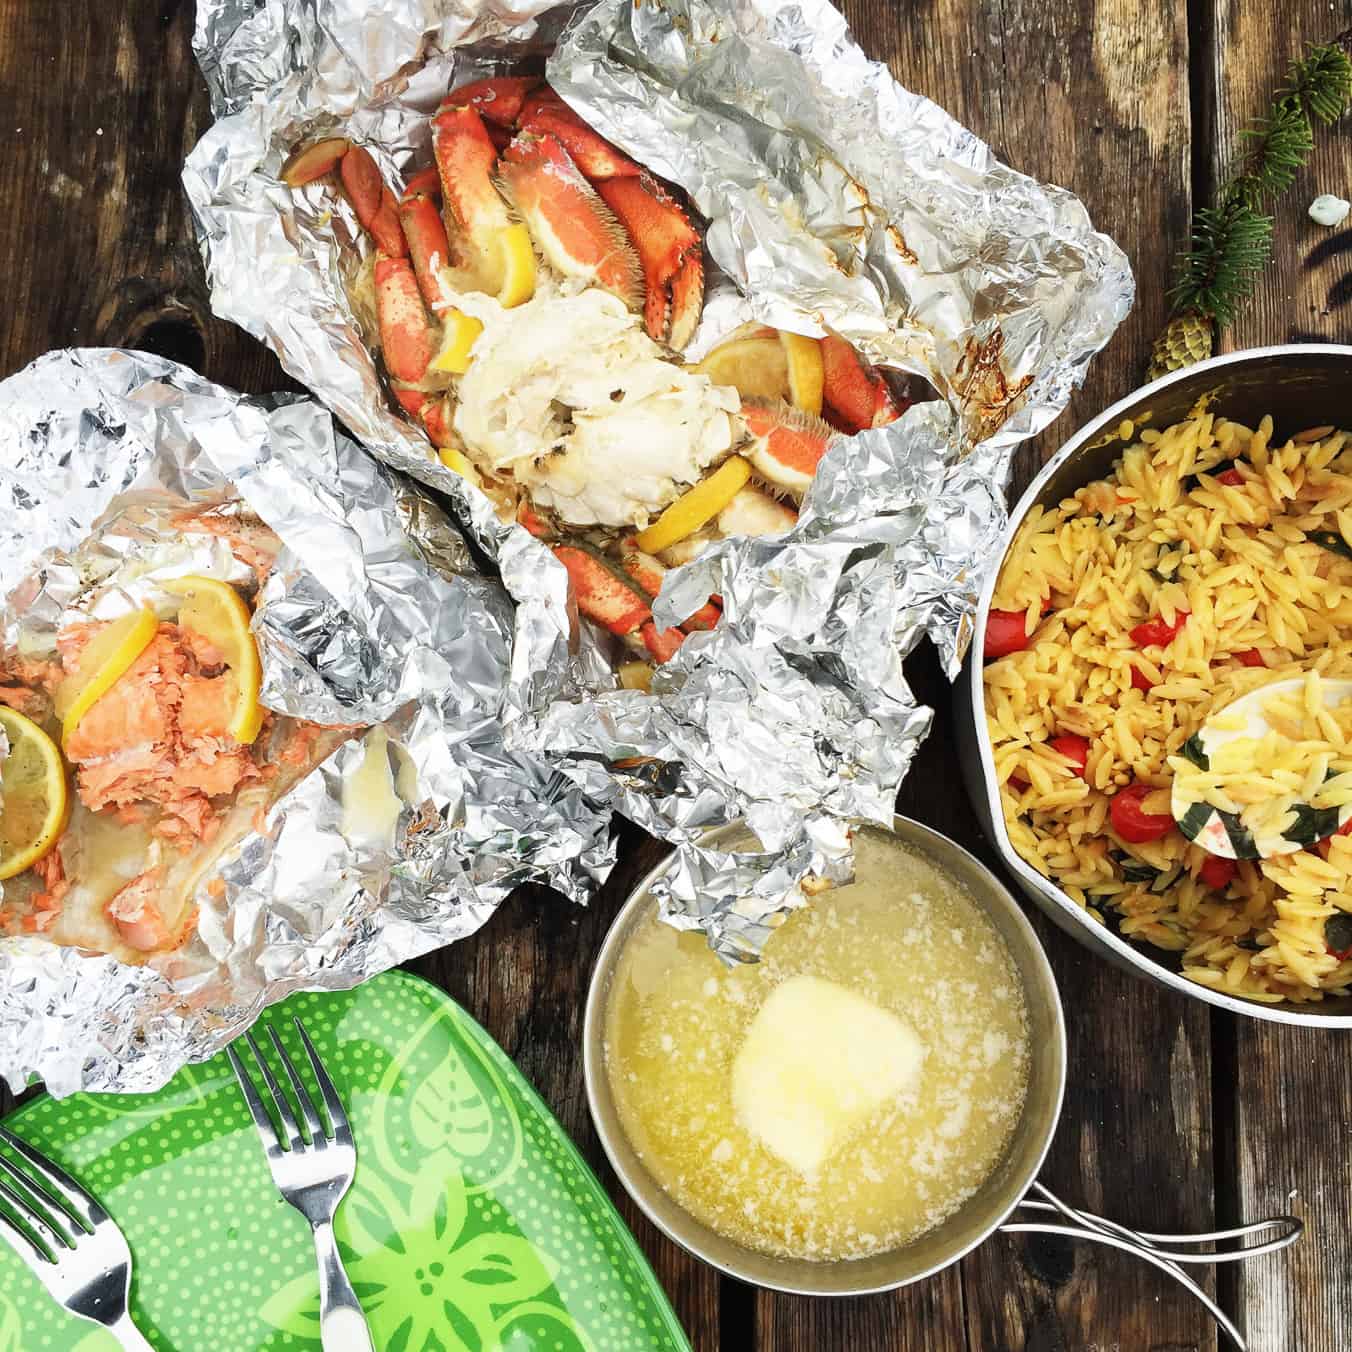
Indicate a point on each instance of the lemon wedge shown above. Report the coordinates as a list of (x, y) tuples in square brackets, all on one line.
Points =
[(635, 676), (518, 266), (757, 368), (216, 610), (35, 804), (455, 460), (803, 357), (696, 507), (457, 343), (105, 658)]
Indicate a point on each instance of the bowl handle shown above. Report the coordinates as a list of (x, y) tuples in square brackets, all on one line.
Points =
[(1158, 1249)]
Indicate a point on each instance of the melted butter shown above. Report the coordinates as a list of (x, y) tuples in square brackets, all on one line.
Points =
[(371, 806), (914, 945)]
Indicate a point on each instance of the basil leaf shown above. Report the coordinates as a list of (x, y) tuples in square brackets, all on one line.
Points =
[(1333, 542), (1166, 880), (1241, 841), (1192, 750), (1338, 932), (1194, 820), (1133, 871), (1311, 824)]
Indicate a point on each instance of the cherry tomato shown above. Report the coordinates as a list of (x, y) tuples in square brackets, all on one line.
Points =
[(1232, 477), (1006, 633), (1217, 872), (1073, 748), (1323, 846), (1140, 681), (1251, 657), (1133, 824), (1158, 632)]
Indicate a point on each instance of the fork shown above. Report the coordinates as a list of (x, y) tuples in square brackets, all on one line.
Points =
[(70, 1242), (313, 1171)]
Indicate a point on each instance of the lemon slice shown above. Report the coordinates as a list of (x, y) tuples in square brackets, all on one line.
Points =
[(455, 460), (804, 359), (696, 507), (216, 610), (33, 782), (105, 658), (457, 343), (518, 266), (757, 368)]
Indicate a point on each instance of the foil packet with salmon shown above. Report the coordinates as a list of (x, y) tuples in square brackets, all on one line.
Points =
[(250, 687), (719, 340)]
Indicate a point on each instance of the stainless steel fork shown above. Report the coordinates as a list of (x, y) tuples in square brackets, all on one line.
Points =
[(68, 1239), (312, 1170)]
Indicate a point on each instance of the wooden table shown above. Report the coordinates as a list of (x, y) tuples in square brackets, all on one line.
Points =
[(1177, 1118)]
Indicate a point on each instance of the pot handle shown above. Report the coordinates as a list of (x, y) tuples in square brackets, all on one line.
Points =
[(1158, 1249)]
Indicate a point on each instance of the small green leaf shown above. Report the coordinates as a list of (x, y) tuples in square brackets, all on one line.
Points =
[(1133, 871), (1332, 541), (1192, 750), (1338, 932), (1311, 824)]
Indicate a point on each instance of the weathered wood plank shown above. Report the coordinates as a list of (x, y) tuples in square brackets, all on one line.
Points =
[(1289, 1129)]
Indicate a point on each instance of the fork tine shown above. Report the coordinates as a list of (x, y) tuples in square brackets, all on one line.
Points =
[(11, 1230), (256, 1109), (337, 1113), (33, 1217), (279, 1097), (307, 1104), (78, 1203)]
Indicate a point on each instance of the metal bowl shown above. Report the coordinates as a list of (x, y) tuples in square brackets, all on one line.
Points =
[(1300, 386), (981, 1214)]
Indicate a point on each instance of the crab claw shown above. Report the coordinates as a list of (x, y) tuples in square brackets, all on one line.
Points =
[(787, 444), (373, 202), (648, 573), (498, 99), (687, 299), (314, 161), (664, 239), (466, 157), (426, 181), (570, 224), (546, 114), (428, 248), (406, 333), (855, 392)]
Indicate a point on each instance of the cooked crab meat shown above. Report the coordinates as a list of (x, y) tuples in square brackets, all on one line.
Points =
[(569, 394)]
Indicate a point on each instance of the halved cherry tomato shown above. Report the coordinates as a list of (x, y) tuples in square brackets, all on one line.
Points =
[(1073, 748), (1140, 681), (1133, 824), (1251, 657), (1232, 477), (1158, 632), (1217, 872), (1323, 846), (1006, 633)]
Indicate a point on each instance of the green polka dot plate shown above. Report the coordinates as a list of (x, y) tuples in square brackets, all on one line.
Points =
[(473, 1224)]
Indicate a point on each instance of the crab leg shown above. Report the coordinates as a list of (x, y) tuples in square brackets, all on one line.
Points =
[(572, 226), (466, 158), (428, 248), (406, 333), (648, 573), (498, 99), (546, 114), (855, 392), (787, 444), (606, 595)]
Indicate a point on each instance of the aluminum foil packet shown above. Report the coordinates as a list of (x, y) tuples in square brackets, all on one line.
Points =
[(374, 614), (833, 197)]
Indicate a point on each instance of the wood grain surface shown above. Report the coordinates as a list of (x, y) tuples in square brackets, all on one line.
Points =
[(1173, 1115)]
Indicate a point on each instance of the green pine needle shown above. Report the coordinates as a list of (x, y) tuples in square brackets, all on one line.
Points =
[(1232, 241)]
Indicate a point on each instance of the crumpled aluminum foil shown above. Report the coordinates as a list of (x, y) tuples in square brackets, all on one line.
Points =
[(833, 196), (374, 614)]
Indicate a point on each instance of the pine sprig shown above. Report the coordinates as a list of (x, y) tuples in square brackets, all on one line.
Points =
[(1232, 241)]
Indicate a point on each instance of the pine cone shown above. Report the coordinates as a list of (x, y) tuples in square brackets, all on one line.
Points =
[(1186, 339)]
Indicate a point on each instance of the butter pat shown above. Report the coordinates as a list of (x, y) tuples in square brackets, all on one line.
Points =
[(817, 1061)]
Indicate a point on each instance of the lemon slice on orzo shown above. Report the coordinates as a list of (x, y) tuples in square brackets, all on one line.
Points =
[(102, 661), (216, 610), (33, 789)]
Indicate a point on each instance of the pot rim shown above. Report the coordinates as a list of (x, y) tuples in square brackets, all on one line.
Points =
[(1135, 955), (642, 1189)]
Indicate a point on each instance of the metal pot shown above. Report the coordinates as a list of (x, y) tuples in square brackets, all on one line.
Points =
[(1010, 1188), (1300, 386)]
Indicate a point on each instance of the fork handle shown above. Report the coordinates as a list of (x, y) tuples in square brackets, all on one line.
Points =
[(342, 1325), (129, 1336)]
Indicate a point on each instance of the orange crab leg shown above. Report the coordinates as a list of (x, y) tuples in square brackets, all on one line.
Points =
[(648, 573), (787, 445), (372, 201), (431, 410), (406, 333), (314, 161), (426, 181), (466, 159), (498, 99), (572, 226), (612, 599), (856, 393), (428, 247), (546, 114), (661, 643)]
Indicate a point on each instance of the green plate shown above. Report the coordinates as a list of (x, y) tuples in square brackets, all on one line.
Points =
[(473, 1223)]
